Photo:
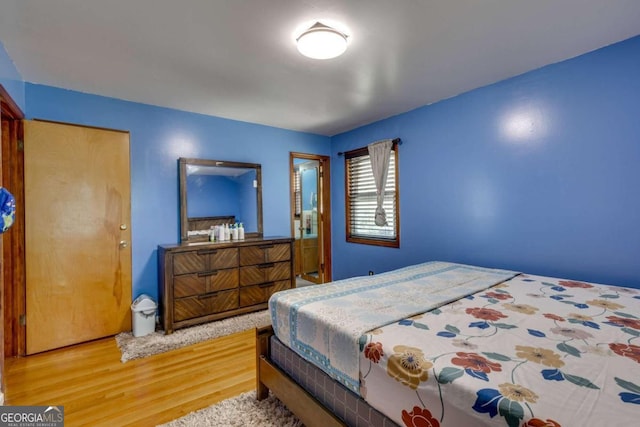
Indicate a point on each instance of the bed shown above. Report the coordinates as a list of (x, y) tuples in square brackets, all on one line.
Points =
[(442, 344)]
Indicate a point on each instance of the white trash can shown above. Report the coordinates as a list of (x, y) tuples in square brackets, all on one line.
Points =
[(143, 312)]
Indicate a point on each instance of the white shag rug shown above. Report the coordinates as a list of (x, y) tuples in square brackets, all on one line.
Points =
[(240, 411), (157, 342)]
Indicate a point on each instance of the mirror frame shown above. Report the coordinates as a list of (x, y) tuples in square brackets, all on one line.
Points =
[(182, 175)]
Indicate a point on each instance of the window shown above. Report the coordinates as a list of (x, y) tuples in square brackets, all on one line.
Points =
[(361, 201)]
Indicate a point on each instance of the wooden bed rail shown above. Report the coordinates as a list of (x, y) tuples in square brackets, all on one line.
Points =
[(269, 377)]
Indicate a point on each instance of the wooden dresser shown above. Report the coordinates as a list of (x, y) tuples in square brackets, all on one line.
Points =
[(201, 282)]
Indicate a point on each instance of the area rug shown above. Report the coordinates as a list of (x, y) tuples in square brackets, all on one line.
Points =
[(157, 342), (240, 411)]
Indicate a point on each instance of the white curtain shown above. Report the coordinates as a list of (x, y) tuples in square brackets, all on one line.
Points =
[(380, 153)]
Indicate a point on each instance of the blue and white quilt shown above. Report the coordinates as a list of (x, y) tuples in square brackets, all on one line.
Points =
[(324, 324)]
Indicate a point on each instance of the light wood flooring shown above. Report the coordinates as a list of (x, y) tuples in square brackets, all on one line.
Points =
[(96, 389)]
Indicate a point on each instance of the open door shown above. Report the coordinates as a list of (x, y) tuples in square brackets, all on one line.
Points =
[(311, 218)]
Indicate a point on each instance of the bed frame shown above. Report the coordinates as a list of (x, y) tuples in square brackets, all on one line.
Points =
[(269, 377)]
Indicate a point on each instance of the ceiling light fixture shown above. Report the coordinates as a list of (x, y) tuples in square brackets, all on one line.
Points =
[(322, 42)]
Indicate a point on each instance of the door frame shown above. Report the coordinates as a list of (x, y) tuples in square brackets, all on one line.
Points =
[(324, 204), (12, 242)]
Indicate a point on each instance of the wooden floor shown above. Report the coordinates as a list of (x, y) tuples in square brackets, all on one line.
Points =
[(96, 389)]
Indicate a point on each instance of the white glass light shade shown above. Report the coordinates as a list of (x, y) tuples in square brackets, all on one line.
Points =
[(322, 42)]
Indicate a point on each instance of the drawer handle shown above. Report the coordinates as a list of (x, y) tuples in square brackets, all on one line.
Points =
[(265, 246), (207, 273), (266, 285), (207, 251), (208, 295), (268, 265)]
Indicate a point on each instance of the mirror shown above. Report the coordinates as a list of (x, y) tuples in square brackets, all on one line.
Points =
[(307, 186), (216, 192)]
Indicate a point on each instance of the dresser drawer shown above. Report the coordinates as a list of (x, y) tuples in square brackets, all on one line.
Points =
[(258, 294), (260, 254), (188, 285), (224, 279), (202, 305), (199, 283), (204, 260), (270, 272)]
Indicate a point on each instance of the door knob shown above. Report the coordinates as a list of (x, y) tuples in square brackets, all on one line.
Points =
[(123, 244), (123, 227)]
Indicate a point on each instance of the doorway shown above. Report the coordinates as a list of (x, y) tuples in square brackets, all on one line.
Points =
[(311, 217)]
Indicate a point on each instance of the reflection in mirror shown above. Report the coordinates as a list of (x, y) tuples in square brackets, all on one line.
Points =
[(214, 192), (306, 188), (307, 199)]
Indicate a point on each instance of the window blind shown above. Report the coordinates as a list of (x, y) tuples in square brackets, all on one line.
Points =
[(361, 191)]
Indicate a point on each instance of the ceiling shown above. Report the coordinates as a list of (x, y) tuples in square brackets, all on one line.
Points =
[(237, 59)]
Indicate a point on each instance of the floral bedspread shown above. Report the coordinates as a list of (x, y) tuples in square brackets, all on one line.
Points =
[(532, 352), (325, 323)]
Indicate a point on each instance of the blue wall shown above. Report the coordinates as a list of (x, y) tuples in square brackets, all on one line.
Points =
[(159, 136), (538, 173), (11, 79)]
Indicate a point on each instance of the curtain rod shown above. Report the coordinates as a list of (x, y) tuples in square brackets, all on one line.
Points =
[(394, 140)]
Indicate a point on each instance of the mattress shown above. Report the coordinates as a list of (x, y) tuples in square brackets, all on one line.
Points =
[(531, 351), (535, 350), (325, 323), (347, 406)]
